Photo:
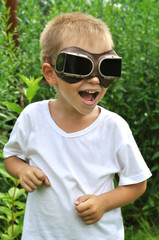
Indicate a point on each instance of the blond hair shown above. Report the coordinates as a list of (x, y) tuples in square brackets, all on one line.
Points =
[(68, 26)]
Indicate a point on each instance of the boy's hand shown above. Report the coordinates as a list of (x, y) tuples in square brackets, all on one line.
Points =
[(32, 177), (90, 208)]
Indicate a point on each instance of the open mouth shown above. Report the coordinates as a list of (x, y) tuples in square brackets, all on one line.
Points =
[(88, 96)]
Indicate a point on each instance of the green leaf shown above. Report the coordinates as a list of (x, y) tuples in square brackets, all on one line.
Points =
[(3, 140), (19, 213), (17, 230), (19, 193), (6, 237), (13, 106), (155, 155), (3, 115), (25, 79), (7, 175), (2, 195), (5, 196), (6, 211), (9, 26), (32, 85), (37, 80), (19, 205), (12, 191), (1, 154), (4, 218), (16, 192), (31, 92)]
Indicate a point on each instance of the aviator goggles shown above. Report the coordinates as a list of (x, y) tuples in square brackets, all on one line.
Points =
[(74, 64)]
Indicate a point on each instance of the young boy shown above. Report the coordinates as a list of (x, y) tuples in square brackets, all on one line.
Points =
[(66, 151)]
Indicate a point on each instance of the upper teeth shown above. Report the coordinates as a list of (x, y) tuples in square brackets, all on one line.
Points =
[(88, 91)]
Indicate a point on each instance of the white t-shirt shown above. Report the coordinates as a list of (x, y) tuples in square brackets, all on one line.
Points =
[(76, 164)]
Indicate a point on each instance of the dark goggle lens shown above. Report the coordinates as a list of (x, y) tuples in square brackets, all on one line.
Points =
[(111, 67), (73, 64), (60, 62)]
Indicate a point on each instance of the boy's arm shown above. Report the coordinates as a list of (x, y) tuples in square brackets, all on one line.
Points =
[(30, 177), (91, 208)]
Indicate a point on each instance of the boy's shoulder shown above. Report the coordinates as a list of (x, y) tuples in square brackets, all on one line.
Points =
[(33, 111), (113, 117), (115, 127), (36, 106), (114, 121)]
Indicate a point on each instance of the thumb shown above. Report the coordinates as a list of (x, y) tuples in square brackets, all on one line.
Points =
[(46, 181), (82, 199)]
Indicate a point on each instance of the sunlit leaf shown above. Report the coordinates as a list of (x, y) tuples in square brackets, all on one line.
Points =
[(6, 237), (13, 106), (6, 211), (7, 175), (16, 192), (17, 230)]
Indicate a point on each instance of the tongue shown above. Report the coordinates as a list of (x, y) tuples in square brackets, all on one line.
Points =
[(86, 96)]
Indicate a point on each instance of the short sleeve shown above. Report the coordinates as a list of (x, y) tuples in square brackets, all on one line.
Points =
[(133, 167), (17, 143)]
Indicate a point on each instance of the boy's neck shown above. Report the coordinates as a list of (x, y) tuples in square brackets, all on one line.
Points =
[(73, 122)]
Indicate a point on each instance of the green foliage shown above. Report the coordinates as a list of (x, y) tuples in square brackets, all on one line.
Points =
[(135, 95), (13, 106), (12, 208), (8, 59), (145, 231), (134, 26), (32, 87)]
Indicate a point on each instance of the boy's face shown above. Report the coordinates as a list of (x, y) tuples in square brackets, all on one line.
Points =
[(84, 95)]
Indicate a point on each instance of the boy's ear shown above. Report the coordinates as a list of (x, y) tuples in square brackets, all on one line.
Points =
[(49, 73)]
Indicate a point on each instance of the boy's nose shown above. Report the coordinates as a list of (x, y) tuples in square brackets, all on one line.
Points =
[(93, 79)]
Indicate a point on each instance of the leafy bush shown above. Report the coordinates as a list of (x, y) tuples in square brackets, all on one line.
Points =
[(12, 208)]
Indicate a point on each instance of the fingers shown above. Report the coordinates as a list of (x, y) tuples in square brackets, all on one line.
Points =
[(42, 177), (89, 216), (82, 199), (88, 209), (82, 203), (46, 181), (29, 185), (31, 178)]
